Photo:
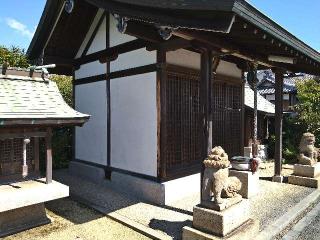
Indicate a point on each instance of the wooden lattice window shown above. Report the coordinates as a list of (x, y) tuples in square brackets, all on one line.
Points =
[(183, 115), (11, 156)]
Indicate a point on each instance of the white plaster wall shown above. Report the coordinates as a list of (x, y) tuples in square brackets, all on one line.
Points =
[(91, 139), (192, 60), (134, 123), (98, 44), (133, 59)]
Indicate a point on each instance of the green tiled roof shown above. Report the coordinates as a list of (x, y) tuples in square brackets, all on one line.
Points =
[(25, 100)]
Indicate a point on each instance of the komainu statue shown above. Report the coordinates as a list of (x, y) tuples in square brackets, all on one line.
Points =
[(308, 153), (216, 180)]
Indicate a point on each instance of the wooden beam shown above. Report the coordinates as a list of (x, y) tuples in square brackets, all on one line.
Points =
[(4, 136), (162, 114), (111, 52), (278, 122), (49, 156), (59, 61), (170, 45)]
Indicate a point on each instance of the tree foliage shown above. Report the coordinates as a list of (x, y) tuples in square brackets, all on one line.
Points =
[(308, 107), (14, 56)]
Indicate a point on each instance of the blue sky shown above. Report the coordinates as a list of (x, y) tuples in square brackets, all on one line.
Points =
[(19, 18)]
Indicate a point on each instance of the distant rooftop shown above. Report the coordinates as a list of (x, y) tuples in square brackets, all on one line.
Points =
[(263, 104)]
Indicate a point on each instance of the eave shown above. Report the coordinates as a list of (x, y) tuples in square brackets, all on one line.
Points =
[(221, 20)]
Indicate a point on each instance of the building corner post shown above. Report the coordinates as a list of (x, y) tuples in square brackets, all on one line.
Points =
[(278, 124)]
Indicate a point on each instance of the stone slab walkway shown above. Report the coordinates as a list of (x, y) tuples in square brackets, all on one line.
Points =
[(166, 222)]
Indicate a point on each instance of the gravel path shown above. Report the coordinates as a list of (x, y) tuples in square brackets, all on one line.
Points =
[(273, 200), (74, 221)]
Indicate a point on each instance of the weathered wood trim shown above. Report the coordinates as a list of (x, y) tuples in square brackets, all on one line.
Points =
[(134, 71), (109, 170), (4, 136), (92, 79), (109, 53), (161, 115), (130, 173), (108, 94), (74, 106), (94, 33), (278, 121), (119, 74), (49, 156)]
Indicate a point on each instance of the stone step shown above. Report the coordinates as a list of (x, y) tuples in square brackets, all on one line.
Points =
[(304, 181)]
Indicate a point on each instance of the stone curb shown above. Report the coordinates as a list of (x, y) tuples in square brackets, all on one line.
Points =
[(138, 227), (302, 224), (278, 226)]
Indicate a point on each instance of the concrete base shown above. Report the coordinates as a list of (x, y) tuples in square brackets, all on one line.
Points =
[(144, 189), (304, 181), (91, 173), (278, 179), (249, 180), (21, 219), (249, 230), (306, 170), (221, 223), (159, 193)]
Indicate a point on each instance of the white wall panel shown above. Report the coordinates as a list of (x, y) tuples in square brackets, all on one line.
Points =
[(134, 123), (90, 69), (133, 59), (91, 139)]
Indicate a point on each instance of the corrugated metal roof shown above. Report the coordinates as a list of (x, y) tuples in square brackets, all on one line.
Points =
[(263, 104), (29, 100)]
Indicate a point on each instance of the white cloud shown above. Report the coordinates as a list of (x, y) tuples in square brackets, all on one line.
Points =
[(19, 27)]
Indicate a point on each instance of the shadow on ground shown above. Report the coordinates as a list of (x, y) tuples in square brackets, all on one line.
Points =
[(73, 211), (171, 228)]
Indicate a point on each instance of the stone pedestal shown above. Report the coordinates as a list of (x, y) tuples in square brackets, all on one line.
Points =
[(221, 222), (307, 171), (231, 223), (21, 219), (305, 175), (249, 180)]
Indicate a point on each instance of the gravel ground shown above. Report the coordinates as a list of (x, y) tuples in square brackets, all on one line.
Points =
[(74, 221)]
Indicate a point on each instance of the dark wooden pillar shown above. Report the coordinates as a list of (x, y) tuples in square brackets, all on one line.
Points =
[(205, 102), (49, 156), (242, 120), (278, 124), (252, 80), (162, 114), (36, 154)]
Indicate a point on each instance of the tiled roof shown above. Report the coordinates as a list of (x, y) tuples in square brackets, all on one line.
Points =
[(25, 100), (289, 85), (263, 104)]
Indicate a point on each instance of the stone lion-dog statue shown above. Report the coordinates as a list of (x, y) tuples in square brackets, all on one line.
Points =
[(216, 180), (308, 153)]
